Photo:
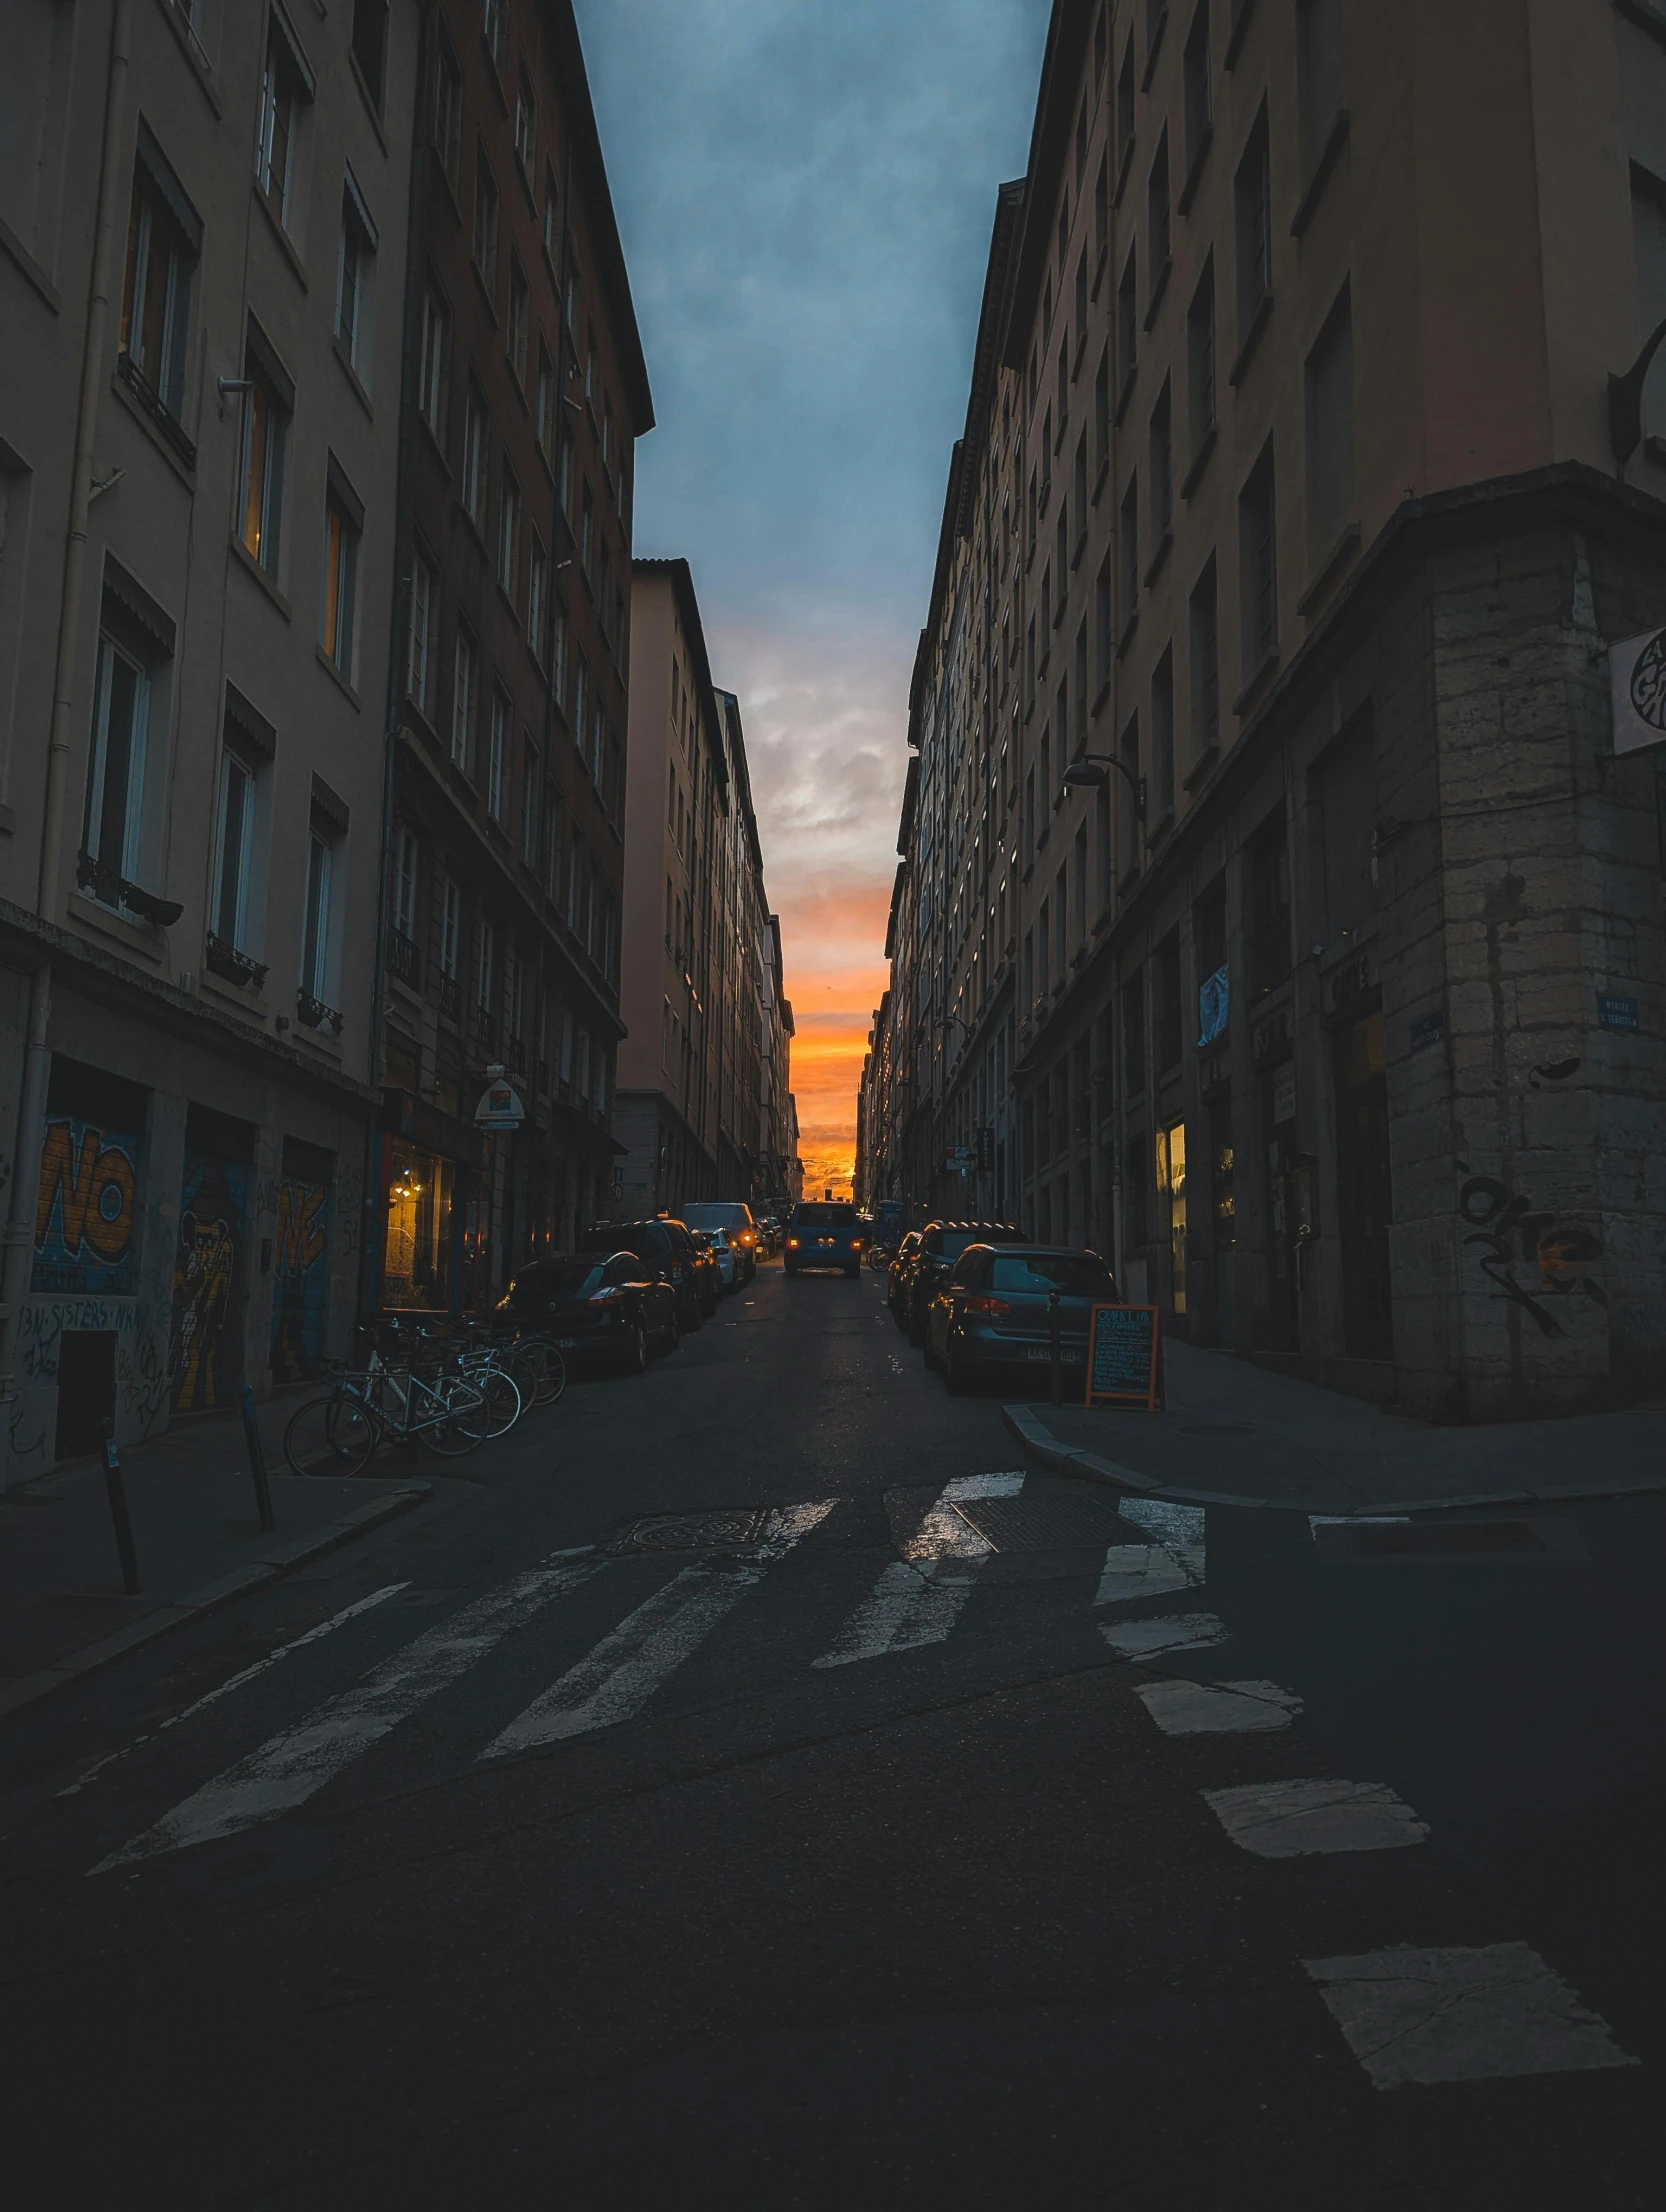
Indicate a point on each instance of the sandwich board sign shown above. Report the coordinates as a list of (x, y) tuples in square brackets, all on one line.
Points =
[(500, 1107), (1125, 1357)]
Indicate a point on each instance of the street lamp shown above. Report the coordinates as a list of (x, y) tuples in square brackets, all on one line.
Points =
[(1090, 774)]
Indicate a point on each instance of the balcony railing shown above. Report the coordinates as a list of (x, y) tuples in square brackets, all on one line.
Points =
[(224, 960), (312, 1013), (156, 408), (451, 998), (404, 961), (485, 1030)]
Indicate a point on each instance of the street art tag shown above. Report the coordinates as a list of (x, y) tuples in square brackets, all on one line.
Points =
[(301, 1279), (212, 1208), (84, 1210)]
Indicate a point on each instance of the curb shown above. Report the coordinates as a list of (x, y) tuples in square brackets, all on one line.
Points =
[(1061, 1459), (29, 1689)]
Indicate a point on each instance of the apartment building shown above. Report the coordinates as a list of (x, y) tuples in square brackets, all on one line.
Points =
[(202, 264), (502, 936), (1330, 913), (704, 1067)]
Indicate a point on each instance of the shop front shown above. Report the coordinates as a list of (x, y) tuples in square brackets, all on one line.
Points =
[(437, 1209)]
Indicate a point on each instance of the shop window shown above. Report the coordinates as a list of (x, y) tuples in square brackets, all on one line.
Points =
[(1171, 1197), (419, 1257)]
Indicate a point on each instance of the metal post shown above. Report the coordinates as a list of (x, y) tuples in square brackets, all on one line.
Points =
[(257, 1462), (1054, 1350), (118, 1515)]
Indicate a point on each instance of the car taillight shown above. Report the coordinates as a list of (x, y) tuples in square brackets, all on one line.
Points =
[(856, 1244), (605, 1297), (989, 1306), (792, 1244)]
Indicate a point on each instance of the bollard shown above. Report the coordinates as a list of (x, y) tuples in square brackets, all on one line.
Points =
[(1053, 1346), (257, 1464), (118, 1514)]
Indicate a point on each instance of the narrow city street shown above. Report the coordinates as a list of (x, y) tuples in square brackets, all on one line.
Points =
[(864, 1835)]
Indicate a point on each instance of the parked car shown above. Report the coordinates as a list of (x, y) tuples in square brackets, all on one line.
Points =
[(730, 1268), (663, 1246), (736, 1220), (941, 1244), (769, 1235), (708, 1274), (601, 1309), (991, 1314), (897, 1277), (823, 1233)]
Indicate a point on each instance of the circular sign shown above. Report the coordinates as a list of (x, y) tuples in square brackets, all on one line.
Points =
[(1648, 682)]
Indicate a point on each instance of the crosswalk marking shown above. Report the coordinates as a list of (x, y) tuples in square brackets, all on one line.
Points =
[(289, 1767), (1218, 1708), (616, 1680), (914, 1602), (1168, 1632), (1289, 1820), (1178, 1528), (1134, 1571)]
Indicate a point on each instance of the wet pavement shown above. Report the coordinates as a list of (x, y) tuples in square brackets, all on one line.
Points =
[(759, 1780)]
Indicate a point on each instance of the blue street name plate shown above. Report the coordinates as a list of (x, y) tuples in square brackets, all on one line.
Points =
[(1617, 1013), (1122, 1354)]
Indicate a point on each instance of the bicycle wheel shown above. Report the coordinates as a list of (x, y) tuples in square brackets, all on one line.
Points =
[(330, 1436), (463, 1424), (521, 1364), (504, 1404), (552, 1381)]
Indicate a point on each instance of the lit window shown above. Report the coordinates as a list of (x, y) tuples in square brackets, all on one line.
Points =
[(266, 412)]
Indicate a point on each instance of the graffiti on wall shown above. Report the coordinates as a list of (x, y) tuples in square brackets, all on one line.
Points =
[(213, 1202), (1516, 1240), (84, 1209), (301, 1278)]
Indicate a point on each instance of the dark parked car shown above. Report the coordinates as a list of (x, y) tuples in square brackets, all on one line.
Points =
[(823, 1233), (665, 1249), (735, 1220), (897, 1276), (991, 1315), (601, 1309), (706, 1272), (940, 1246)]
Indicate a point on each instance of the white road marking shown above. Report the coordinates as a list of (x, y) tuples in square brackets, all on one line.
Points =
[(1494, 2012), (1218, 1708), (291, 1766), (236, 1681), (1167, 1632), (616, 1680), (914, 1602), (1317, 1521), (1139, 1571), (1288, 1820), (946, 1534), (1178, 1528)]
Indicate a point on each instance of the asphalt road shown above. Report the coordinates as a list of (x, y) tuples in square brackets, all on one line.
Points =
[(842, 1847)]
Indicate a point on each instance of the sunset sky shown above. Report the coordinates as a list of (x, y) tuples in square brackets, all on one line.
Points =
[(805, 190)]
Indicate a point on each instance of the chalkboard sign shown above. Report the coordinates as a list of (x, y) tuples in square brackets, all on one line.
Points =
[(1125, 1357)]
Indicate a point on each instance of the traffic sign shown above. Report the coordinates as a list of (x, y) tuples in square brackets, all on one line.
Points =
[(500, 1107)]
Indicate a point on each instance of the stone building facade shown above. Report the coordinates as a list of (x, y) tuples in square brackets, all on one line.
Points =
[(1330, 917), (202, 262)]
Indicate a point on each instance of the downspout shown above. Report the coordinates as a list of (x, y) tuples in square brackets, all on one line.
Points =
[(18, 1235), (374, 1236)]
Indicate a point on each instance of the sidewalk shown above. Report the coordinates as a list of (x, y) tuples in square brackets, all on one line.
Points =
[(63, 1612), (1235, 1434)]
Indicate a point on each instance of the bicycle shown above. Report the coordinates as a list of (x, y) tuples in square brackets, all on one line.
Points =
[(341, 1433)]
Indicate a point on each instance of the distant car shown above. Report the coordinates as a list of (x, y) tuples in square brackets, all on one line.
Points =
[(665, 1247), (823, 1233), (897, 1277), (729, 1215), (601, 1309), (991, 1314), (730, 1270), (708, 1274), (769, 1236), (941, 1244)]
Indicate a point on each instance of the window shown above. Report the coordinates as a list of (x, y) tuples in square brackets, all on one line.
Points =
[(355, 277), (1102, 209), (419, 637), (164, 238), (1330, 433), (370, 44), (515, 337), (432, 361), (1158, 217), (465, 700), (343, 527), (581, 702), (1125, 105), (1318, 75), (610, 454), (116, 768), (1206, 665), (1128, 813), (552, 219), (1101, 44), (1162, 734), (485, 964), (546, 405), (1081, 884), (537, 593), (1648, 237), (284, 87), (1198, 94), (1104, 621), (406, 861), (498, 756), (1133, 1055), (1062, 534), (233, 846), (1102, 414), (485, 222), (266, 411), (1252, 194), (451, 928), (509, 532), (587, 533), (564, 477), (1200, 360), (526, 122), (1162, 470), (448, 110), (316, 916), (494, 29), (1269, 905), (1258, 565), (1129, 547), (532, 785), (474, 456), (558, 674), (1081, 685), (1127, 322)]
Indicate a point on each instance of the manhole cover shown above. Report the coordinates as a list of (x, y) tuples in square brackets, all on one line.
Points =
[(1429, 1543), (1219, 1428), (731, 1531), (1071, 1521)]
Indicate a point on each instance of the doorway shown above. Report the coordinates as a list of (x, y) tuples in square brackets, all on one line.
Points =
[(1363, 1191), (86, 1390)]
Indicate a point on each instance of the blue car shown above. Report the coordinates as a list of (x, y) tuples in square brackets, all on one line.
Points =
[(823, 1234)]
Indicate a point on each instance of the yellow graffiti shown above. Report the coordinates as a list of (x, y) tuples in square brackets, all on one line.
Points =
[(300, 1239), (93, 1183), (202, 1289)]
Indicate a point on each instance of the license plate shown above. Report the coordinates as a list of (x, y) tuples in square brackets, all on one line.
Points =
[(1067, 1357), (566, 1343)]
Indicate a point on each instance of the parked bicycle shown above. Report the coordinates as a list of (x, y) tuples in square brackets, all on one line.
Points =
[(376, 1404)]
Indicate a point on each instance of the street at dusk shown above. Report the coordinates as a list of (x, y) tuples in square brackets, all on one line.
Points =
[(832, 1097)]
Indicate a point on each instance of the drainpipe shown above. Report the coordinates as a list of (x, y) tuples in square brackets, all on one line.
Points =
[(374, 1236), (17, 1239)]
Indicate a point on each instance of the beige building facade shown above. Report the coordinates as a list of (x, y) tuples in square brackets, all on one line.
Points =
[(202, 271), (1285, 553)]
